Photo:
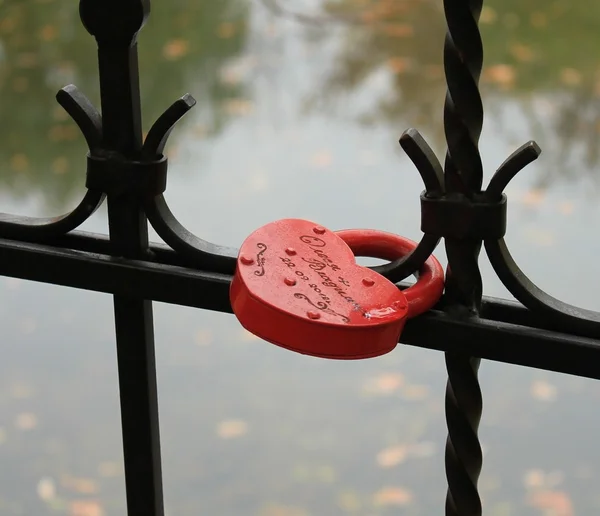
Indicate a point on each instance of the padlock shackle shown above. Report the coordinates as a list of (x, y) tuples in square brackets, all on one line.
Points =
[(427, 290)]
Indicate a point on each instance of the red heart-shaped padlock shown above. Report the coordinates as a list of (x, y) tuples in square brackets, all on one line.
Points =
[(297, 285)]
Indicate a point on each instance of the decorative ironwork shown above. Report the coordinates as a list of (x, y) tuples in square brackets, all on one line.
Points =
[(131, 174)]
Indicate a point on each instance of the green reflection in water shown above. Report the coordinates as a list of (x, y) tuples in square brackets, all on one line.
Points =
[(43, 46), (535, 50), (186, 44)]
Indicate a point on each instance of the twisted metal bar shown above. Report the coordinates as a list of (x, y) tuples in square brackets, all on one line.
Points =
[(463, 121)]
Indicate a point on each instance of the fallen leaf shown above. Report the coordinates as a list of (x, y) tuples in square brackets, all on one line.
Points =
[(386, 383), (396, 496), (19, 162), (488, 15), (26, 421), (391, 456), (522, 52), (557, 503), (85, 508), (501, 74), (543, 391), (232, 428), (534, 478), (283, 510), (60, 166), (533, 197), (539, 19), (398, 30), (238, 106), (226, 30), (398, 65), (48, 32), (570, 76), (175, 49), (46, 489)]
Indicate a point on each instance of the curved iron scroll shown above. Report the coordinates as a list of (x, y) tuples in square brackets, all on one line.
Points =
[(86, 116), (423, 157), (579, 321), (200, 253)]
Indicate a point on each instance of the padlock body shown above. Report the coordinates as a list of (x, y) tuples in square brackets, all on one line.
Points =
[(297, 285)]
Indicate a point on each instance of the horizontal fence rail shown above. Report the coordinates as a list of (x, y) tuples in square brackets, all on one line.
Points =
[(130, 174)]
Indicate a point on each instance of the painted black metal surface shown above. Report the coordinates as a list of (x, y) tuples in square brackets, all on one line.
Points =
[(131, 175)]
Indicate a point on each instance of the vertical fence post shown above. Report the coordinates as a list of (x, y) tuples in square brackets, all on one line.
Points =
[(463, 120), (115, 24)]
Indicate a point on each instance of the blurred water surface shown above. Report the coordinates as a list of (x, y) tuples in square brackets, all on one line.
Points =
[(300, 106)]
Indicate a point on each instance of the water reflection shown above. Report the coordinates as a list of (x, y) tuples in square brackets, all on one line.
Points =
[(248, 428), (555, 85), (43, 46), (387, 52)]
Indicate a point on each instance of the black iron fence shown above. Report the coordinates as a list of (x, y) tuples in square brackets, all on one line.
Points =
[(131, 172)]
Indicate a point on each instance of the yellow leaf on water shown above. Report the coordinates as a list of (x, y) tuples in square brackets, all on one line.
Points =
[(398, 30), (501, 74), (555, 503), (398, 65), (85, 508), (522, 52), (175, 49), (226, 30), (533, 197), (19, 162), (570, 76), (397, 496), (385, 383), (60, 165), (26, 421), (543, 391), (392, 456), (488, 15), (48, 32), (46, 489), (282, 510), (539, 19), (534, 478), (238, 106), (232, 428)]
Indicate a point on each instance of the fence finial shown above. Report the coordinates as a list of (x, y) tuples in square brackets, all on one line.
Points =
[(114, 22)]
